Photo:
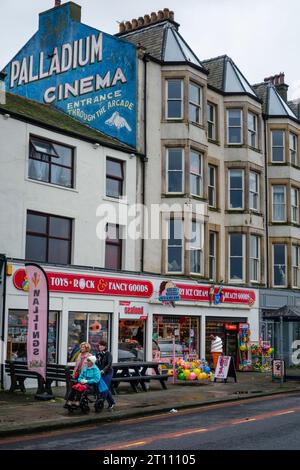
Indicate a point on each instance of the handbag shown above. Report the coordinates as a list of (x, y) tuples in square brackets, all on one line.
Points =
[(76, 375), (102, 385), (80, 387)]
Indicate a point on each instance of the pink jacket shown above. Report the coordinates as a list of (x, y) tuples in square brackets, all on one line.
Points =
[(81, 363)]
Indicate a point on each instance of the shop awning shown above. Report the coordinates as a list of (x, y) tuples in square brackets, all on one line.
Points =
[(287, 313)]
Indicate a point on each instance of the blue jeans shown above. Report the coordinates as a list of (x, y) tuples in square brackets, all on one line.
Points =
[(107, 395)]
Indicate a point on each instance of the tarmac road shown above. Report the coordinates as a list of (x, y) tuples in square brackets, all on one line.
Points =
[(267, 423)]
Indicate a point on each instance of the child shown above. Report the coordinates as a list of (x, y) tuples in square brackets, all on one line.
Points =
[(89, 376)]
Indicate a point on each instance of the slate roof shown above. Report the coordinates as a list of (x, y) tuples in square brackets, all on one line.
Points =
[(225, 76), (163, 43), (273, 103), (49, 117)]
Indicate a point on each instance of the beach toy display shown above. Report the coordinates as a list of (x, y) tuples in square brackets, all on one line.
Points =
[(197, 370)]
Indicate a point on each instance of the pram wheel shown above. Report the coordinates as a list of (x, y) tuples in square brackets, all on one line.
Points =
[(99, 405)]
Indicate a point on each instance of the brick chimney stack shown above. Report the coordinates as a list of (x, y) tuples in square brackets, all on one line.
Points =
[(147, 20), (280, 85), (57, 3)]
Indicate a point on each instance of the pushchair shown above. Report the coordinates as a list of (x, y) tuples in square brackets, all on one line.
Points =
[(89, 397)]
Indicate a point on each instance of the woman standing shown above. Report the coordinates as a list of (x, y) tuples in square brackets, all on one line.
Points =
[(104, 362), (81, 361)]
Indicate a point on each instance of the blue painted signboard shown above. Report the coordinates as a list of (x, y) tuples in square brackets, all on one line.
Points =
[(87, 74)]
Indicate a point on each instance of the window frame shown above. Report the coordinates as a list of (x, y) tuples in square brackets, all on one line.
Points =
[(121, 179), (278, 146), (237, 281), (295, 267), (46, 235), (273, 265), (254, 259), (167, 117), (241, 208), (254, 194), (293, 149), (196, 249), (295, 208), (168, 149), (283, 204), (181, 246), (118, 242), (212, 257), (212, 187), (198, 175), (240, 126), (253, 132), (212, 124), (199, 105), (50, 163)]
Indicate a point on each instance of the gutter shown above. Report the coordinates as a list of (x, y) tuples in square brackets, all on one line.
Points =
[(144, 160)]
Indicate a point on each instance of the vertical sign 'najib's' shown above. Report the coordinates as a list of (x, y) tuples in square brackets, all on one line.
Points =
[(87, 74), (38, 307)]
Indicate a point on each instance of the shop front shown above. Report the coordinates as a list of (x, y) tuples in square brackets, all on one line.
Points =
[(83, 307)]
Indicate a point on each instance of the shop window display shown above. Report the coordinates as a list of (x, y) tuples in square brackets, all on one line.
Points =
[(131, 340), (186, 331), (89, 327), (17, 336)]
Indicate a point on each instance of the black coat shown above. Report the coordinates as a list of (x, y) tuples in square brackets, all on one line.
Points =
[(104, 361)]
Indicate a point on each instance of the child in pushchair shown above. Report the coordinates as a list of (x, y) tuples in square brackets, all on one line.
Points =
[(87, 391)]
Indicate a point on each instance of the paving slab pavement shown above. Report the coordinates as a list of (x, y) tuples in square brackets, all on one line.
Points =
[(22, 413)]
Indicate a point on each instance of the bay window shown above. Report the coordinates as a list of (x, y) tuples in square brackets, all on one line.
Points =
[(293, 144), (278, 146), (195, 103), (236, 189), (252, 130), (295, 265), (175, 168), (195, 247), (175, 246), (236, 257), (254, 258), (211, 121), (195, 173), (254, 191), (295, 205)]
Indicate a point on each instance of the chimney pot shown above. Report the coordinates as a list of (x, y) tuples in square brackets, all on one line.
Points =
[(140, 21), (122, 27), (147, 19), (171, 15), (153, 17), (160, 15), (134, 23), (166, 13), (128, 26), (57, 3)]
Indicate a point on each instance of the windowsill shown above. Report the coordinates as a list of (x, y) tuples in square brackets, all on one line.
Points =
[(198, 198), (174, 120), (235, 211), (235, 145), (213, 141), (278, 163), (197, 124), (51, 185), (174, 273), (297, 167), (255, 149), (279, 287), (168, 195), (116, 200), (237, 282), (213, 209), (254, 212), (279, 223)]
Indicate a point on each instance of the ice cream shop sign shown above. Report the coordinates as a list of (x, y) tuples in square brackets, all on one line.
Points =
[(83, 72)]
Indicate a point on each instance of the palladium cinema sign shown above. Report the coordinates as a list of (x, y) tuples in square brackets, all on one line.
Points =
[(87, 74)]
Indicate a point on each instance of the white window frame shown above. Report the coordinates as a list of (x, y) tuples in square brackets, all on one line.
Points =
[(240, 126), (293, 148), (237, 281), (254, 260), (236, 189), (174, 99), (193, 103), (198, 175), (212, 257), (174, 171), (193, 245), (254, 194), (284, 203), (252, 132), (213, 123), (295, 266), (295, 207), (278, 146), (175, 246), (273, 265), (212, 187)]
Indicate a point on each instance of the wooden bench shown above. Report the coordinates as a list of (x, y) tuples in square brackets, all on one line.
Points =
[(19, 372)]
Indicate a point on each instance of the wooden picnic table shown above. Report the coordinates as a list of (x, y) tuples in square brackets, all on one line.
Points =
[(137, 373)]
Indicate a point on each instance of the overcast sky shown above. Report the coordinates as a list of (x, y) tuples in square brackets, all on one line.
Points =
[(261, 36)]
